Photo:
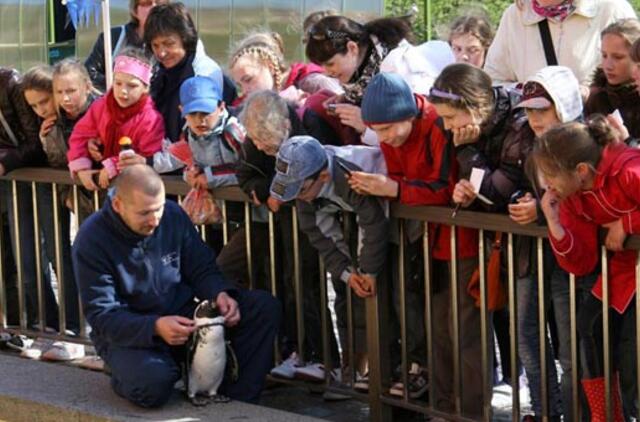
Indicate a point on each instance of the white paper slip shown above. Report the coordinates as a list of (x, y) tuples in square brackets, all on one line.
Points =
[(616, 115), (476, 180)]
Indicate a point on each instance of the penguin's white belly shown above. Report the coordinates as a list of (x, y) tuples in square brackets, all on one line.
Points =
[(209, 362)]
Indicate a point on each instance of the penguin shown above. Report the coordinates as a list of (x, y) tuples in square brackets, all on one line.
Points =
[(206, 358)]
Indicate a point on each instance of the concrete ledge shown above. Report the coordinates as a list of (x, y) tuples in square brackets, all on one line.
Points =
[(34, 391)]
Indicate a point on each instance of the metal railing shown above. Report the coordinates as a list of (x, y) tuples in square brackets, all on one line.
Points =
[(377, 312)]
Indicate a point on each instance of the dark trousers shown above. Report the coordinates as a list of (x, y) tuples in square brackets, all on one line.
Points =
[(623, 345), (146, 376), (470, 341), (27, 254), (65, 274)]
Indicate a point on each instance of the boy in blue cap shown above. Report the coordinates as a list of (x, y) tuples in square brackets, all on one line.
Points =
[(316, 176), (214, 136)]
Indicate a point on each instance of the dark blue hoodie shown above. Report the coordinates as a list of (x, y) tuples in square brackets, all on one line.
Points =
[(127, 281)]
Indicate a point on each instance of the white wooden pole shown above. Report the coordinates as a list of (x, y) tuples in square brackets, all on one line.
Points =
[(106, 31)]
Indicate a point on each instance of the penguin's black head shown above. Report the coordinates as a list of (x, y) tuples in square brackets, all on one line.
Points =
[(207, 309)]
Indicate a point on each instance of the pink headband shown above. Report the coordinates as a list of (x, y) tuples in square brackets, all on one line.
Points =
[(133, 67)]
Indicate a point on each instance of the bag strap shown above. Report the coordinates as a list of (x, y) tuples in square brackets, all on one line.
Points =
[(121, 38), (547, 43), (7, 129)]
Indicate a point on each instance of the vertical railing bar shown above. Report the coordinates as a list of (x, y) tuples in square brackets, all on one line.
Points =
[(605, 334), (36, 241), (3, 285), (428, 306), (457, 375), (350, 330), (513, 332), (297, 278), (484, 330), (638, 326), (324, 324), (272, 267), (18, 256), (76, 216), (247, 232), (62, 306), (96, 201), (225, 224), (542, 332), (403, 312), (575, 388)]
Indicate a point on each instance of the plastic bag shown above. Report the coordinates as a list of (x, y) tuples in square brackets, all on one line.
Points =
[(201, 207)]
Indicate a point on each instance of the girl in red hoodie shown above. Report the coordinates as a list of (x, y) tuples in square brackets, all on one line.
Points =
[(126, 110), (592, 181)]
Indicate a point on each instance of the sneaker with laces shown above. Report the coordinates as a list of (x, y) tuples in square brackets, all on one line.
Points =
[(417, 380), (313, 372), (362, 383), (287, 369), (63, 351)]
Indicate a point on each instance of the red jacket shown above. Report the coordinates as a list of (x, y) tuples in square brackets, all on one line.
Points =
[(427, 171), (614, 196)]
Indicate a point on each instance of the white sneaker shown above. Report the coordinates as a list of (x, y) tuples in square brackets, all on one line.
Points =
[(312, 372), (287, 369), (63, 351)]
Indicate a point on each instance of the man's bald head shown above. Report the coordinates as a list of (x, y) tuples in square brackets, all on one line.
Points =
[(138, 178)]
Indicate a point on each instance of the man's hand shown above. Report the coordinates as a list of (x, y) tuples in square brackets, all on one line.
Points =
[(131, 160), (615, 236), (174, 329), (373, 184), (463, 193), (94, 146), (228, 309), (86, 178), (362, 285)]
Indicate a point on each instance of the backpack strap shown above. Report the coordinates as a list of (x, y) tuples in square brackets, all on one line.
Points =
[(7, 129), (547, 43)]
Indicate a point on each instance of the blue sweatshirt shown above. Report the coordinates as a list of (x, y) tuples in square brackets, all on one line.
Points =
[(127, 281)]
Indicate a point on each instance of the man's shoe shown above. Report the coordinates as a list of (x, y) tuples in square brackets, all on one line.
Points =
[(287, 368), (63, 351)]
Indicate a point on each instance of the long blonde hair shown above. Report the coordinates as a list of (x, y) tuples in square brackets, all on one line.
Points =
[(266, 49)]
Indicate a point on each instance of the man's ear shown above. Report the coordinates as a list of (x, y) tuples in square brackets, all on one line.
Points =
[(116, 203), (324, 176)]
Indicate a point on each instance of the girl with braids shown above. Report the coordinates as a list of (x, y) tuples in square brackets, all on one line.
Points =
[(591, 180), (258, 63), (353, 53)]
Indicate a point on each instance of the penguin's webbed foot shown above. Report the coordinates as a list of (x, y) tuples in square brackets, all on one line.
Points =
[(219, 398), (199, 400)]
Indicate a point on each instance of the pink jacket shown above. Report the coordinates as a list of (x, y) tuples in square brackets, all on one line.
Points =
[(146, 130)]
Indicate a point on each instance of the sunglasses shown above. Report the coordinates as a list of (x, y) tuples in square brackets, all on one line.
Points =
[(326, 34)]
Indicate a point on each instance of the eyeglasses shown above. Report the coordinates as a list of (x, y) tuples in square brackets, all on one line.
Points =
[(326, 34)]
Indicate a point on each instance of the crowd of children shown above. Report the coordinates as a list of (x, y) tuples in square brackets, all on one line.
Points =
[(551, 124)]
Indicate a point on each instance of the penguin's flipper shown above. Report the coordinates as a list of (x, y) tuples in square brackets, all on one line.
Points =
[(219, 398), (233, 368)]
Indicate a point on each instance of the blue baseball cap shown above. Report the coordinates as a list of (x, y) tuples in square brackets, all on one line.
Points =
[(298, 158), (200, 94)]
